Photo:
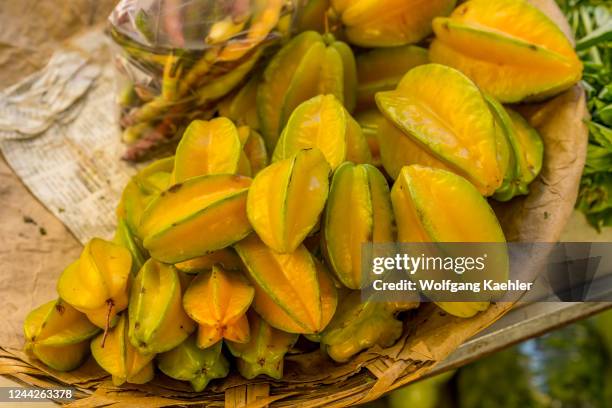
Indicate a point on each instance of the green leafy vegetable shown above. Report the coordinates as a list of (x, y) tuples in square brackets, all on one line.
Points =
[(591, 22)]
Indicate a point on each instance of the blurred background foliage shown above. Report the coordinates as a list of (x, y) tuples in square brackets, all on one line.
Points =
[(567, 368)]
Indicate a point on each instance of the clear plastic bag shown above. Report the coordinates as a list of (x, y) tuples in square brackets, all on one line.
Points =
[(177, 58)]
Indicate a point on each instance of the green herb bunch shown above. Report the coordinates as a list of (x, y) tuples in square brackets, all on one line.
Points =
[(591, 22)]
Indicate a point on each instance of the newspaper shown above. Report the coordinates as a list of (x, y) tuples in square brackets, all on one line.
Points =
[(58, 131)]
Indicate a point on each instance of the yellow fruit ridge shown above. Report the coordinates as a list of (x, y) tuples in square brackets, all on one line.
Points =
[(320, 67), (141, 189), (218, 301), (184, 279), (188, 362), (506, 151), (265, 351), (358, 325), (125, 238), (226, 258), (276, 79), (358, 211), (511, 49), (370, 120), (244, 165), (277, 317), (433, 205), (349, 74), (388, 23), (312, 16), (57, 334), (525, 151), (293, 292), (119, 358), (286, 199), (200, 215), (530, 146), (255, 151), (241, 106), (207, 147), (323, 122), (397, 150), (155, 177), (381, 69), (131, 205), (308, 65), (158, 322), (97, 283), (451, 124)]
